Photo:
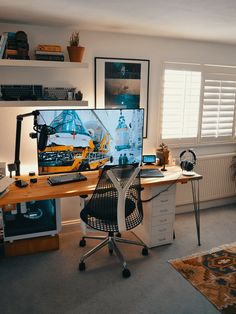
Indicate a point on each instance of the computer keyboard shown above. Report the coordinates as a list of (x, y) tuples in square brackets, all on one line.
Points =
[(66, 178), (151, 173), (21, 92)]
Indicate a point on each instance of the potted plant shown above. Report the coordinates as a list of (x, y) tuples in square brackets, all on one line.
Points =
[(162, 153), (75, 51)]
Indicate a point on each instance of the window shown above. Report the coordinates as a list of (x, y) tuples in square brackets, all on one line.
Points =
[(181, 100), (218, 108), (198, 104)]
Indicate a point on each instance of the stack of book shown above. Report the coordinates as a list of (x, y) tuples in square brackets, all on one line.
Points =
[(8, 46), (49, 53), (3, 43), (11, 46)]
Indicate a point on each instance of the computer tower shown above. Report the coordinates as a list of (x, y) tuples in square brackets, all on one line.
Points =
[(32, 219)]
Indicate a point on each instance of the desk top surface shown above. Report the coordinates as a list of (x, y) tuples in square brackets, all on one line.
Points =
[(43, 190)]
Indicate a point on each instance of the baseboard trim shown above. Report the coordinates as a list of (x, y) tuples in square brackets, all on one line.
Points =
[(70, 225), (207, 204)]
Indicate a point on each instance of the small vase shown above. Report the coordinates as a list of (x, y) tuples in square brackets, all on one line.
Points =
[(75, 53)]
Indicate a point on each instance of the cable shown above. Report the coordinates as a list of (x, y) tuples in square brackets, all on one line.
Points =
[(154, 196)]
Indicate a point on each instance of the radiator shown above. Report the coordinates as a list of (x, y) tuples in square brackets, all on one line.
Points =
[(217, 179)]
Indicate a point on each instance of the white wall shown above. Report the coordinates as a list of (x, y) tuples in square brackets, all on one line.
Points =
[(99, 44)]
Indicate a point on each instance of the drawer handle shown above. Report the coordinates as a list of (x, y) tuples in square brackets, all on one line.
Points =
[(164, 201), (163, 220), (161, 239), (163, 210), (162, 230)]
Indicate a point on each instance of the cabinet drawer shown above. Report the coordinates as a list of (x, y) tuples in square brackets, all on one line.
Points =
[(164, 199), (163, 210), (161, 238), (162, 219), (162, 228)]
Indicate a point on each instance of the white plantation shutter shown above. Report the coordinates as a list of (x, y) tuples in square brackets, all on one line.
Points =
[(218, 108), (180, 106)]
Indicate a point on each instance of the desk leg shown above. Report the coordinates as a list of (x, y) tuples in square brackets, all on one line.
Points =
[(195, 193)]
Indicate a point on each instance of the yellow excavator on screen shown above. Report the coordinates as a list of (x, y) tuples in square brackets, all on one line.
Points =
[(75, 146)]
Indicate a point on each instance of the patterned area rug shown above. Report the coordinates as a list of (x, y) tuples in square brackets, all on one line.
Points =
[(213, 273)]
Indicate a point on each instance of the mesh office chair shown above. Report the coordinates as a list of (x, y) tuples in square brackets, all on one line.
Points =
[(115, 206)]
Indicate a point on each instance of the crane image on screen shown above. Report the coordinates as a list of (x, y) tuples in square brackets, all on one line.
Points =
[(86, 139)]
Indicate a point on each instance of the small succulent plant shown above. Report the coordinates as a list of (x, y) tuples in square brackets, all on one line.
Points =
[(163, 147), (74, 39)]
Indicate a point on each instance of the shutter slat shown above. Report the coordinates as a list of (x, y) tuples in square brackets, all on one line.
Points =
[(218, 108)]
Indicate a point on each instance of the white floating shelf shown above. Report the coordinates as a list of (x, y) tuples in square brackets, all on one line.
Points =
[(41, 103), (41, 64)]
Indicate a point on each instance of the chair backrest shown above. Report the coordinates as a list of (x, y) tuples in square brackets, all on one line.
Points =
[(117, 195)]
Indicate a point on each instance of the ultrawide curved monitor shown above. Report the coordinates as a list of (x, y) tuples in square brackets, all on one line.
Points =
[(75, 140)]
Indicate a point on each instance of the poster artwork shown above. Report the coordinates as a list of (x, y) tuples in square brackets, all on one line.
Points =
[(122, 85)]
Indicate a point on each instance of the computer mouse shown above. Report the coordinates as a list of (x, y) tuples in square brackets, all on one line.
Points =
[(21, 183)]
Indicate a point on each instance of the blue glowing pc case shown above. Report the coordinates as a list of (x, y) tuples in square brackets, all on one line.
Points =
[(32, 219)]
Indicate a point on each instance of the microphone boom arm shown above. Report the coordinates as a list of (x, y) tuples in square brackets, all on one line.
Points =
[(19, 120)]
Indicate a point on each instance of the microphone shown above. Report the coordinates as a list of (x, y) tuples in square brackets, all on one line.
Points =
[(43, 137)]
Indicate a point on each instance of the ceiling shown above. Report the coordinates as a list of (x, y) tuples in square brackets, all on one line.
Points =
[(208, 20)]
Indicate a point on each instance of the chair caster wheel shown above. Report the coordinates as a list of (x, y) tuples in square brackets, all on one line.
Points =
[(82, 243), (110, 251), (126, 273), (145, 251), (82, 266)]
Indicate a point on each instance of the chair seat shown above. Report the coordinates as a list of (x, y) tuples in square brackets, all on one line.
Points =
[(106, 218)]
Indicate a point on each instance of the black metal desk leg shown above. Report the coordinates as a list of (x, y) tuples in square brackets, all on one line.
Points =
[(195, 193)]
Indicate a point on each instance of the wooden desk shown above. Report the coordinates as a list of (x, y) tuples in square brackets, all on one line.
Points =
[(42, 190)]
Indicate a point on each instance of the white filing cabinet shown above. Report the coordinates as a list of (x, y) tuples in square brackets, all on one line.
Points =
[(159, 214)]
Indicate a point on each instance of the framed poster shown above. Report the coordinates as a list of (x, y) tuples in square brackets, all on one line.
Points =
[(122, 83)]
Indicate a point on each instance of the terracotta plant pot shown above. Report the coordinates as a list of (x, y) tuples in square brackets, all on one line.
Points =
[(75, 53)]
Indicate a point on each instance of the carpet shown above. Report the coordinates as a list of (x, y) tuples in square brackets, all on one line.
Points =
[(213, 273)]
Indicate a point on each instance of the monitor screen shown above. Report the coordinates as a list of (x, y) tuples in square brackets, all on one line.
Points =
[(149, 159), (73, 140)]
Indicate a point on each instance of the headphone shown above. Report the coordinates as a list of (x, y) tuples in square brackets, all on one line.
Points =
[(186, 164)]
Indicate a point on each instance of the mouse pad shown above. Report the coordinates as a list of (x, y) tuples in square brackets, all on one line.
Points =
[(151, 173)]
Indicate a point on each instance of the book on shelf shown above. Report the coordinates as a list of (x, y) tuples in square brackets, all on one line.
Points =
[(3, 42), (10, 52), (11, 41), (41, 52), (48, 57), (55, 48)]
